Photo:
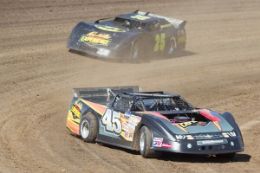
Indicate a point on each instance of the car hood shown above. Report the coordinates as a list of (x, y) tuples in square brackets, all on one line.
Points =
[(216, 123), (100, 35)]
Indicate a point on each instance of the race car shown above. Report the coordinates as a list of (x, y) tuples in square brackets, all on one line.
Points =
[(151, 122), (133, 35)]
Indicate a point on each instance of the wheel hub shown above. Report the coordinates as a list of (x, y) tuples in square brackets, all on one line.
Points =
[(84, 129)]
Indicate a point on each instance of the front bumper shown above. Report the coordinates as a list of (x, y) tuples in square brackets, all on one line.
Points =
[(208, 147), (99, 51)]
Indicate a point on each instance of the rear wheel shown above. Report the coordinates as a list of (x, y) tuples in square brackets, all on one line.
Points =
[(172, 46), (181, 39), (88, 127), (145, 142)]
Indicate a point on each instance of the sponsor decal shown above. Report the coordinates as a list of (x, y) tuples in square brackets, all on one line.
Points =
[(182, 137), (96, 38), (212, 142), (109, 28), (188, 123), (164, 145), (229, 134), (76, 110), (129, 122), (157, 142), (73, 117), (207, 136)]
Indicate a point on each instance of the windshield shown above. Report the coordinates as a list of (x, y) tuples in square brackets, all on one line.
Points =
[(128, 23)]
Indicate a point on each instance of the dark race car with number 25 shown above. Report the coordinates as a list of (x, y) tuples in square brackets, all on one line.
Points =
[(133, 35), (151, 122)]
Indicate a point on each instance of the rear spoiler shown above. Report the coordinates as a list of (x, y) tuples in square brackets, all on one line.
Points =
[(177, 23), (103, 91)]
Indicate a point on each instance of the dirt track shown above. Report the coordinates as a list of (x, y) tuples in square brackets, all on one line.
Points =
[(37, 75)]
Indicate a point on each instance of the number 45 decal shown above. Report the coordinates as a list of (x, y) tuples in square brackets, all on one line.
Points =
[(159, 42), (111, 121)]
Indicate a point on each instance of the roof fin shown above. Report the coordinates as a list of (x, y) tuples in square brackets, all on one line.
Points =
[(136, 11)]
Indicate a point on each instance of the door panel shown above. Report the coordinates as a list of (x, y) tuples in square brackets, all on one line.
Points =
[(117, 128)]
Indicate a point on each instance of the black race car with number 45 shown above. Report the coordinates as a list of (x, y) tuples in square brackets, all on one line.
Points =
[(150, 122), (132, 35)]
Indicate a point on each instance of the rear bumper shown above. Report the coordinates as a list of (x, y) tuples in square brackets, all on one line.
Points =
[(195, 147)]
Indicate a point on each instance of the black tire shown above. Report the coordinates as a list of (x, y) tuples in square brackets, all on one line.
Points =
[(88, 127), (227, 156), (172, 48), (135, 52), (181, 46), (145, 142)]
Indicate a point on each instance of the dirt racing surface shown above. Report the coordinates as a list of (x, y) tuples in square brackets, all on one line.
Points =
[(37, 74)]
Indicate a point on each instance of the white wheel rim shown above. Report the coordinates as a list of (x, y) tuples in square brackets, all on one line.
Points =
[(142, 142), (134, 51), (84, 129), (173, 46)]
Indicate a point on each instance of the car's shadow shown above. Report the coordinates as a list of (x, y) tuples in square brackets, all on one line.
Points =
[(175, 157), (145, 59), (202, 158)]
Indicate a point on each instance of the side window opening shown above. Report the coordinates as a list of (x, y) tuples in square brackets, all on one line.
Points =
[(137, 106), (122, 104)]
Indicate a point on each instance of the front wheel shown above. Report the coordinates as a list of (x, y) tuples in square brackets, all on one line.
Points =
[(145, 142), (88, 127)]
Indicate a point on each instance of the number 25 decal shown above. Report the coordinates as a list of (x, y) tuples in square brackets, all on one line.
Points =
[(111, 120), (159, 42)]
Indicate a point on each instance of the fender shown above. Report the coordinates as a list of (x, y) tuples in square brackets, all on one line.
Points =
[(77, 108), (155, 125), (76, 33), (231, 120)]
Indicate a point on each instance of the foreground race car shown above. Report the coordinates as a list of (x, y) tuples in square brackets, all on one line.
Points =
[(151, 121), (132, 35)]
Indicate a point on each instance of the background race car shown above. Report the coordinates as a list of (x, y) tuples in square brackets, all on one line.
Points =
[(150, 122), (132, 35)]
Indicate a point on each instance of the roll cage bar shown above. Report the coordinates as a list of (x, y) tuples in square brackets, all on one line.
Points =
[(134, 98)]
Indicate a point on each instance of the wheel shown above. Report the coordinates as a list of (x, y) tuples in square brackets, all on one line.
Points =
[(172, 47), (181, 39), (227, 156), (145, 142), (88, 127), (135, 52)]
